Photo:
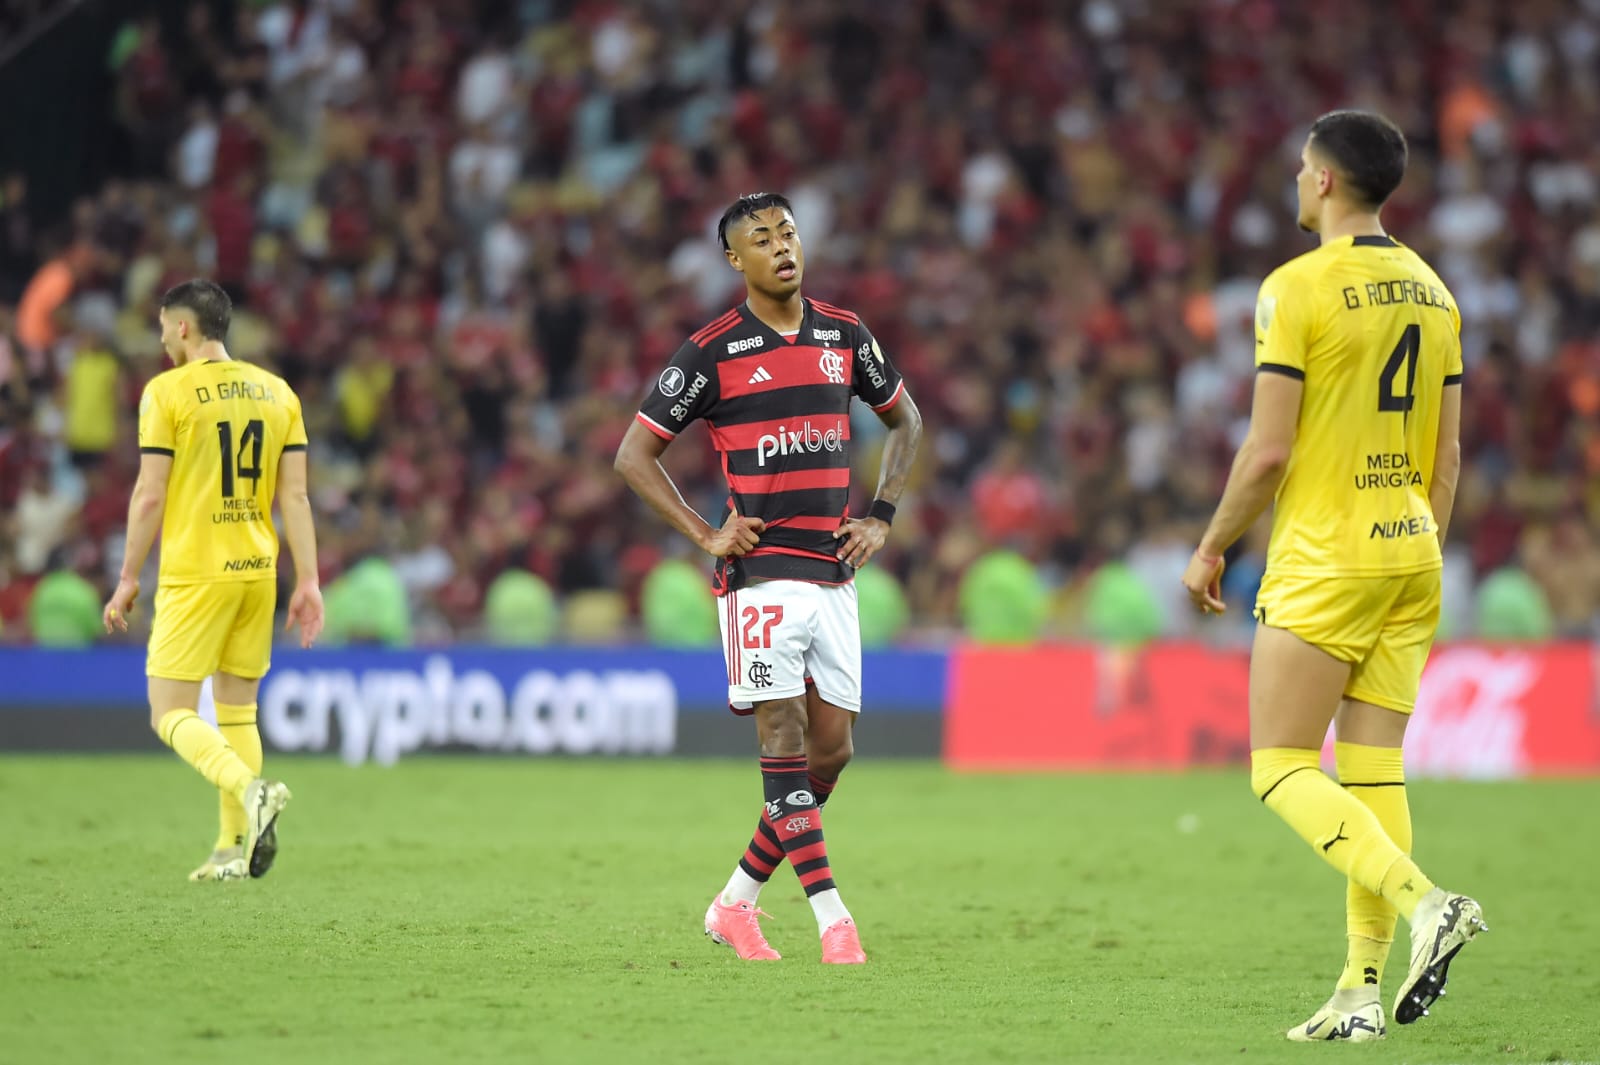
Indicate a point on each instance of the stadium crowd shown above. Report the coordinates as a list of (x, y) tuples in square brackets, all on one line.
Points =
[(469, 234)]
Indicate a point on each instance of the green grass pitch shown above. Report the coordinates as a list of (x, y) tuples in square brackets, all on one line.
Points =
[(482, 910)]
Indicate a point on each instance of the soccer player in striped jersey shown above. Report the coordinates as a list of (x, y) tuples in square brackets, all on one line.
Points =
[(774, 378)]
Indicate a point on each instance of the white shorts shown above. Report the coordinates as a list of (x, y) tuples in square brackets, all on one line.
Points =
[(778, 634)]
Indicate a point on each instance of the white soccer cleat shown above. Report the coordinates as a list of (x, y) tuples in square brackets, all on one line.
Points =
[(264, 800), (1352, 1015), (1440, 927), (226, 863)]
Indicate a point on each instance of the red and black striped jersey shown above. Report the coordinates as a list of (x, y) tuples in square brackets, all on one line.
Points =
[(779, 413)]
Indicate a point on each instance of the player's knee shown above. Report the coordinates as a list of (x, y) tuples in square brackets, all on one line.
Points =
[(786, 739), (782, 728), (1270, 766)]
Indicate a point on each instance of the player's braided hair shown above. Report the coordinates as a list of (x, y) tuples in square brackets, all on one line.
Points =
[(1366, 148), (212, 308), (748, 206)]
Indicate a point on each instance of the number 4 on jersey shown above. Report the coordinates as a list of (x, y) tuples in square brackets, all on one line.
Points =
[(1404, 352), (249, 447)]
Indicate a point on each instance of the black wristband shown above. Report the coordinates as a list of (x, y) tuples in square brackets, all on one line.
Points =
[(883, 510)]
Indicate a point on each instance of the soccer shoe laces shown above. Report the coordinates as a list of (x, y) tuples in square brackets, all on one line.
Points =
[(750, 912)]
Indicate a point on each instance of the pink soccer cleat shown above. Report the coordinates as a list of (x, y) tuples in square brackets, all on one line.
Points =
[(739, 926), (841, 944)]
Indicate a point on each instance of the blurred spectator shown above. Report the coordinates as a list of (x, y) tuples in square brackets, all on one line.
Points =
[(91, 383), (39, 523), (470, 232), (38, 323), (17, 253)]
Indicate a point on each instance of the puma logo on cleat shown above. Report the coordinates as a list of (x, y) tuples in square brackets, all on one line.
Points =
[(1336, 838)]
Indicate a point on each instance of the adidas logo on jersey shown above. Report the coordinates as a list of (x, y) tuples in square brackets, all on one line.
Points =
[(759, 376)]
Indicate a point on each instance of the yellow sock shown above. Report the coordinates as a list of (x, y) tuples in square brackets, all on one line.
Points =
[(1376, 777), (1338, 826), (204, 748), (238, 726)]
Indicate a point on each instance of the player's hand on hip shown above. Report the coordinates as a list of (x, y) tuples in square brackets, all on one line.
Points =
[(738, 535), (305, 610), (863, 538), (120, 605), (1203, 581)]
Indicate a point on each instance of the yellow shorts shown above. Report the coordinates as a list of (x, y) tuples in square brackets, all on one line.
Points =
[(202, 628), (1382, 626)]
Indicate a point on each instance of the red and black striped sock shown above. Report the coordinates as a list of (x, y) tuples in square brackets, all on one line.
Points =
[(820, 788), (795, 819), (764, 854)]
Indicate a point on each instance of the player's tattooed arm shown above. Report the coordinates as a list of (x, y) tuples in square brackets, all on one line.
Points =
[(864, 537), (900, 448)]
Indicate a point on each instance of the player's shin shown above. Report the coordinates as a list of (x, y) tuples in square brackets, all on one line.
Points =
[(765, 853), (204, 748), (1342, 830), (797, 822), (238, 727), (761, 858), (1375, 776)]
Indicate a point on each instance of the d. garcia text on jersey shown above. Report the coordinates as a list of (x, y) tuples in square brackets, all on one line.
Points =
[(1388, 469), (236, 390)]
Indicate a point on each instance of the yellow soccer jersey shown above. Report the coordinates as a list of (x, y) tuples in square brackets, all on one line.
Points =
[(1376, 337), (225, 424)]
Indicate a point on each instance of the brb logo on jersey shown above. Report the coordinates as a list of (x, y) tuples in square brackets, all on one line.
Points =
[(832, 364), (806, 437), (748, 343)]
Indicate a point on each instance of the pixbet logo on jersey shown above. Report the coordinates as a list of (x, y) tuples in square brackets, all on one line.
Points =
[(805, 437)]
